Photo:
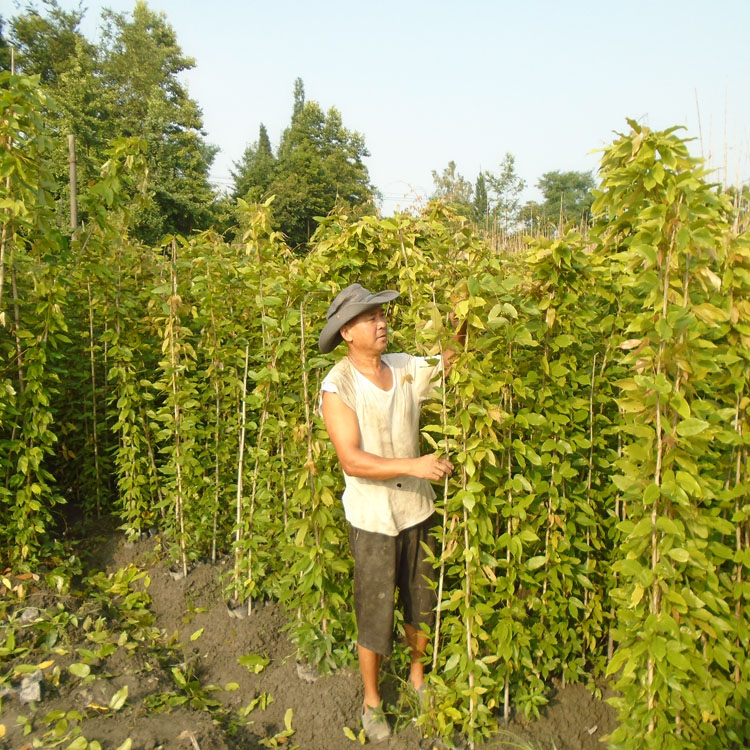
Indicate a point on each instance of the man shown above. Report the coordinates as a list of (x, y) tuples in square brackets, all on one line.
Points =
[(371, 402)]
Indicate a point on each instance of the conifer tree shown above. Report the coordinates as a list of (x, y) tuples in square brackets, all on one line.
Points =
[(255, 170)]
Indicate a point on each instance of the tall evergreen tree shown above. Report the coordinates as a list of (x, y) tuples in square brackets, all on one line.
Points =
[(255, 170), (319, 165), (481, 202), (299, 98)]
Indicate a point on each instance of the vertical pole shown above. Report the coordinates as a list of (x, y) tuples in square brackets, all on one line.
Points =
[(73, 182), (4, 238)]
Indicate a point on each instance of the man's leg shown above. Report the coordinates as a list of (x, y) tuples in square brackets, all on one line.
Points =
[(374, 590), (416, 593), (369, 666), (417, 641)]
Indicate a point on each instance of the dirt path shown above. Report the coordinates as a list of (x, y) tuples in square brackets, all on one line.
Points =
[(185, 689)]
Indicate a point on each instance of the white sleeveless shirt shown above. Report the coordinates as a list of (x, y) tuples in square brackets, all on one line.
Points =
[(389, 427)]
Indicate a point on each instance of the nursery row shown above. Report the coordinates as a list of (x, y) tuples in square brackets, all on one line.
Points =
[(597, 521)]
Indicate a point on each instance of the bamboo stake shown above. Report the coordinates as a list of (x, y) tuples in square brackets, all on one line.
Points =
[(588, 486), (610, 634), (406, 265), (655, 604), (240, 465), (253, 491), (216, 472), (217, 393), (467, 592), (3, 242), (93, 399), (4, 236), (17, 320), (738, 533), (441, 577), (509, 528), (152, 458), (259, 441), (176, 409), (283, 478), (308, 423), (73, 183)]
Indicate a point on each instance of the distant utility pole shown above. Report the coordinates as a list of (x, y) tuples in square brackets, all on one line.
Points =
[(73, 182)]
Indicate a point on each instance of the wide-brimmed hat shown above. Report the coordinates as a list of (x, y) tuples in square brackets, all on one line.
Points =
[(349, 303)]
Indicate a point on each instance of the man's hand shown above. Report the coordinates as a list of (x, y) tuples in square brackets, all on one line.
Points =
[(431, 467)]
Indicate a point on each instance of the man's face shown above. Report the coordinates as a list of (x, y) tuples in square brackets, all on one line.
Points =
[(368, 332)]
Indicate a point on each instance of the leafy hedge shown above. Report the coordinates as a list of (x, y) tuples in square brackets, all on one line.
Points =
[(597, 523)]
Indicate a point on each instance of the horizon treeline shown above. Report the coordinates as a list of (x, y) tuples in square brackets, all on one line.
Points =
[(127, 83)]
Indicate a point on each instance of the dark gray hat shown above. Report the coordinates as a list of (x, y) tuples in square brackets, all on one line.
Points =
[(349, 303)]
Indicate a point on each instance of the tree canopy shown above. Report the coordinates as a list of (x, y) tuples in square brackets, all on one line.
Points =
[(567, 195), (126, 85), (319, 165), (453, 188)]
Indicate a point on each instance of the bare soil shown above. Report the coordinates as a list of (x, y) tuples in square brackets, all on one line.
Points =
[(320, 710)]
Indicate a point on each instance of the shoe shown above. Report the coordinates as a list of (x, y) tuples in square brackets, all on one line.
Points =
[(423, 699), (375, 724)]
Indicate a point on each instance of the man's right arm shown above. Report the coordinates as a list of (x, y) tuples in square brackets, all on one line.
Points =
[(343, 429)]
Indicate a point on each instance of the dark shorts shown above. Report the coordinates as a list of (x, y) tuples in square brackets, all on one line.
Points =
[(382, 564)]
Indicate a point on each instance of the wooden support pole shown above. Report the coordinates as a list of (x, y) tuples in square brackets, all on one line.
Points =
[(73, 183)]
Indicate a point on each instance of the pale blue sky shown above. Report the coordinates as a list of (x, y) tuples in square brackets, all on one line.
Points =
[(428, 81)]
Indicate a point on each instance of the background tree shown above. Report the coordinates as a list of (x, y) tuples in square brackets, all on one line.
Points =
[(47, 45), (50, 44), (4, 48), (567, 195), (255, 170), (319, 165), (505, 193), (125, 85), (141, 64), (453, 189), (481, 201)]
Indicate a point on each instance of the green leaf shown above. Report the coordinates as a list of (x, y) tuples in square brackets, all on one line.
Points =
[(80, 670), (118, 699), (254, 662), (618, 659), (679, 554), (651, 493), (691, 426), (666, 524), (127, 745), (197, 634), (536, 562)]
